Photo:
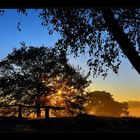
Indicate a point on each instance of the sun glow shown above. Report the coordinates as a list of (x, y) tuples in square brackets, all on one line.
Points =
[(59, 92)]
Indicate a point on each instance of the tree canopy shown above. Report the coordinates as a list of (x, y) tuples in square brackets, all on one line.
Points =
[(106, 34), (29, 74), (103, 104)]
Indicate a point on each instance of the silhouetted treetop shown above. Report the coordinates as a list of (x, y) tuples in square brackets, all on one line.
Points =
[(89, 30), (104, 34), (30, 74)]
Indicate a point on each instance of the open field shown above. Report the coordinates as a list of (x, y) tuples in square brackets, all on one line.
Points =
[(81, 123)]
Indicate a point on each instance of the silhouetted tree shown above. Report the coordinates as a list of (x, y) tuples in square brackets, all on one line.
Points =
[(28, 75), (101, 103), (107, 34), (104, 33)]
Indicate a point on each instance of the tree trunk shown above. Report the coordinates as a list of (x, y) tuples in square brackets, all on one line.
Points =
[(122, 39), (46, 113), (19, 112), (38, 111), (38, 100)]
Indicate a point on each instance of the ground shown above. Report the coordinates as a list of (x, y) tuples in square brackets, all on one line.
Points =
[(81, 123)]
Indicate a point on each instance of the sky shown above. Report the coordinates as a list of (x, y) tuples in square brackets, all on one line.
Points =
[(124, 87)]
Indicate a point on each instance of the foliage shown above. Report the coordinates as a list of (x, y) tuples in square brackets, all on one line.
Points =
[(28, 75), (72, 100), (85, 30), (101, 103), (106, 35)]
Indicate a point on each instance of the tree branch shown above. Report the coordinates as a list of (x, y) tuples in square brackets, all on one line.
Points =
[(122, 39)]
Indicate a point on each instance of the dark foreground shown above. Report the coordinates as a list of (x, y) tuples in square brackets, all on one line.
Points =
[(80, 124)]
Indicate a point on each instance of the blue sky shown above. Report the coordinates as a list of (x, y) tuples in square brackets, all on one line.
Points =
[(32, 32), (123, 87)]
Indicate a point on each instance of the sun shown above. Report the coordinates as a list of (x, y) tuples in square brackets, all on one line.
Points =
[(59, 92)]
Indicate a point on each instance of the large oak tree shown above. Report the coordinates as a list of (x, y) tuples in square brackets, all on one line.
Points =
[(29, 74)]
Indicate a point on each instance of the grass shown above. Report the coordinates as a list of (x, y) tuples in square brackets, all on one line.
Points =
[(80, 123)]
